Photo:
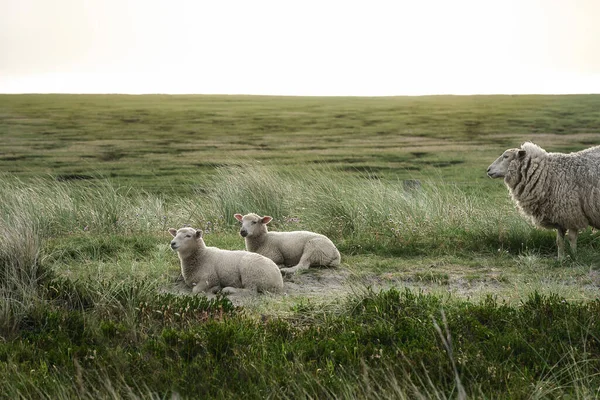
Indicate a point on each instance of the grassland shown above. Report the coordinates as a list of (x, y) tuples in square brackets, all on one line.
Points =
[(166, 143), (445, 291)]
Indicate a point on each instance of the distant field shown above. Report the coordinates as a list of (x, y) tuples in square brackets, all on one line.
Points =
[(170, 143), (444, 291)]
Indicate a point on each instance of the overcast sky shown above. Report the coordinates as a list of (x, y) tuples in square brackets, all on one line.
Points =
[(300, 47)]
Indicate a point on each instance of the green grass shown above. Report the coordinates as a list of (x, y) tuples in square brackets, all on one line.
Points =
[(445, 291), (168, 144), (373, 344)]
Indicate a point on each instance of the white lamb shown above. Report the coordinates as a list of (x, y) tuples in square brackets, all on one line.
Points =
[(556, 190), (299, 249), (209, 269)]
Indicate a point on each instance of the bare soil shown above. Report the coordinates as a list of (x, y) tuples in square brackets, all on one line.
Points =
[(326, 285)]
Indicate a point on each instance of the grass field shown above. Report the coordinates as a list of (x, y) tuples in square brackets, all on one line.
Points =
[(444, 291), (171, 143)]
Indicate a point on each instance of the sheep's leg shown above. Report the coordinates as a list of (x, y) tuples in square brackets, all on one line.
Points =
[(304, 263), (560, 242), (314, 255), (291, 270), (229, 290), (205, 289), (305, 260), (238, 292), (572, 236), (214, 289)]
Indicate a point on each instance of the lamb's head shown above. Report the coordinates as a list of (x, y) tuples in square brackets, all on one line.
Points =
[(500, 167), (185, 239), (252, 224)]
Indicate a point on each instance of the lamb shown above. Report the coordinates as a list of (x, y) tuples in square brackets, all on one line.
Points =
[(556, 190), (299, 249), (209, 269)]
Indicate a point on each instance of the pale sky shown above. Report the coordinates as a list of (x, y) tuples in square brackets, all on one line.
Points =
[(300, 47)]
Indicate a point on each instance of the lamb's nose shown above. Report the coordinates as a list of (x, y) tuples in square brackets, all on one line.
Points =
[(243, 233), (173, 243)]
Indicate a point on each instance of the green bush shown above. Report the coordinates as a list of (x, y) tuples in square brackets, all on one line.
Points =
[(386, 340)]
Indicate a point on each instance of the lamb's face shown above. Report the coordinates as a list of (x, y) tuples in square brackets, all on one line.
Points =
[(253, 224), (499, 168), (185, 239)]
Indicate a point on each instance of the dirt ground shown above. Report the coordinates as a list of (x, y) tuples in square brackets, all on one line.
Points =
[(327, 285), (324, 285)]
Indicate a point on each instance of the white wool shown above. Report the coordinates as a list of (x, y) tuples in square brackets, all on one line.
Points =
[(209, 269), (292, 251), (556, 190)]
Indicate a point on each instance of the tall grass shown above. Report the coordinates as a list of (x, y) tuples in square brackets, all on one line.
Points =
[(255, 188), (32, 213), (20, 273), (371, 215), (360, 214), (54, 208)]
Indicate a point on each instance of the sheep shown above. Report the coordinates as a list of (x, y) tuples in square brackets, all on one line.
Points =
[(556, 190), (209, 269), (301, 249)]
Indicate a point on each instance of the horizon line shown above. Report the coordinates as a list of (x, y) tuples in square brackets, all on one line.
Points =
[(295, 95)]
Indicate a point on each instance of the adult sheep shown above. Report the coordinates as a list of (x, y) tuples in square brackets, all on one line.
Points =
[(556, 190), (299, 249), (209, 269)]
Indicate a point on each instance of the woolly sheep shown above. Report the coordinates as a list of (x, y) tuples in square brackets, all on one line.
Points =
[(301, 249), (209, 269), (556, 190)]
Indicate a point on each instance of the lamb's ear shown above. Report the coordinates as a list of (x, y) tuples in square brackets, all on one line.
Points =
[(266, 219), (521, 154), (173, 232), (198, 234), (238, 217)]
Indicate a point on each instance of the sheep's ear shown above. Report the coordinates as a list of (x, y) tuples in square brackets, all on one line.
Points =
[(198, 234), (238, 217), (266, 219), (173, 232), (521, 153)]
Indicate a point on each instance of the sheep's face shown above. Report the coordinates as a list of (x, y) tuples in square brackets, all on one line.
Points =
[(253, 224), (185, 239), (500, 167)]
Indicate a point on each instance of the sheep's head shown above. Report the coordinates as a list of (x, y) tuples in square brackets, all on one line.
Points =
[(185, 239), (500, 167), (253, 224)]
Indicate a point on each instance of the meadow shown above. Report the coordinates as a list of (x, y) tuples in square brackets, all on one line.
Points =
[(445, 291)]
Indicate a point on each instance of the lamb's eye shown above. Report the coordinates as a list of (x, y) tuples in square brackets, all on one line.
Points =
[(188, 235), (253, 222), (506, 156)]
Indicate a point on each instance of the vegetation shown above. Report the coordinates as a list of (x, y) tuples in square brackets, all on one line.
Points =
[(170, 144), (445, 290)]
